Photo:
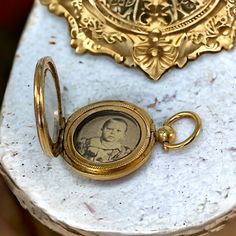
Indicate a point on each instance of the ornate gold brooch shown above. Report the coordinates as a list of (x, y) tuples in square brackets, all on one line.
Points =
[(152, 34), (104, 140)]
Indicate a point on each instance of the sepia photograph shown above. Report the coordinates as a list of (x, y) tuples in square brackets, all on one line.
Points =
[(107, 137)]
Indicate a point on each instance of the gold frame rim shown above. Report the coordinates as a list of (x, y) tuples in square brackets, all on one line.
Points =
[(51, 148), (119, 168)]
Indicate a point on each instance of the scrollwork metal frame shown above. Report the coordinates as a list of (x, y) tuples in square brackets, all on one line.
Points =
[(154, 35)]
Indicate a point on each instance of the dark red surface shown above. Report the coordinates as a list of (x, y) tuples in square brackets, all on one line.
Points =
[(13, 11), (13, 14)]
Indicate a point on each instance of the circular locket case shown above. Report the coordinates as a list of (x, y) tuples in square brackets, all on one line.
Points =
[(104, 140)]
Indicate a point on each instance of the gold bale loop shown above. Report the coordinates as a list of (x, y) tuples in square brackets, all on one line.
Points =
[(182, 115)]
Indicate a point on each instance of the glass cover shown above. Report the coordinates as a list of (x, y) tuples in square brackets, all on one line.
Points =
[(48, 108), (107, 136), (51, 106)]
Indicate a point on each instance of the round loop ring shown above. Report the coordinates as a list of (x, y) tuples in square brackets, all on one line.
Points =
[(190, 139)]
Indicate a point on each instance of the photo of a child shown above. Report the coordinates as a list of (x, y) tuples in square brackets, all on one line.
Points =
[(109, 145)]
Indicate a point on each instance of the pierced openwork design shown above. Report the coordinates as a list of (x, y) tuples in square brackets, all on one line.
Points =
[(154, 35)]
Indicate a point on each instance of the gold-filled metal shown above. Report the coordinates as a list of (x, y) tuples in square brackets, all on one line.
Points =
[(154, 35), (104, 140), (51, 145), (167, 134)]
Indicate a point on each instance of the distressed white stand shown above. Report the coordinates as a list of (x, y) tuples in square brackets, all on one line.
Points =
[(188, 192)]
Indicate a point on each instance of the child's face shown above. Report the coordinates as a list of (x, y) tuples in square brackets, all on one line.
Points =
[(114, 131)]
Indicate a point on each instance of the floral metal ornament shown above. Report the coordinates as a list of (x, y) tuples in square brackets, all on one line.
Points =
[(154, 35)]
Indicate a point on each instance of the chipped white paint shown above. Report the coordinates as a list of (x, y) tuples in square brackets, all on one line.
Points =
[(180, 191)]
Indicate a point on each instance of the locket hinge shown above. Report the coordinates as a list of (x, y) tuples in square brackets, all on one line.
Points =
[(61, 135)]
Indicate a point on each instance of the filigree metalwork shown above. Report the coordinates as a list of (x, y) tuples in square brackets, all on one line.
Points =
[(152, 34)]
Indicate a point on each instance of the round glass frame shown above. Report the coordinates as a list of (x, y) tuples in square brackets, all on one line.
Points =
[(117, 168)]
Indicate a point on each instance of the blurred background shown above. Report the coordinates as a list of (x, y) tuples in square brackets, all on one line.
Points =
[(15, 221)]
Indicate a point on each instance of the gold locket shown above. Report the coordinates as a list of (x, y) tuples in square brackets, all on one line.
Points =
[(104, 140)]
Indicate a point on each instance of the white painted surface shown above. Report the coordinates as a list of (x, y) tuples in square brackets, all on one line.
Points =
[(172, 192)]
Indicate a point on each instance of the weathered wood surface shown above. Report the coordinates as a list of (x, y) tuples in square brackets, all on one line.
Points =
[(188, 192)]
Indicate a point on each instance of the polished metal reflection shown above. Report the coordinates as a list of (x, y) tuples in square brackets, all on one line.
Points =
[(154, 35)]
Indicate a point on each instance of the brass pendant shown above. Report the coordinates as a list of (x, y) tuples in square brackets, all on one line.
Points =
[(104, 140), (152, 34)]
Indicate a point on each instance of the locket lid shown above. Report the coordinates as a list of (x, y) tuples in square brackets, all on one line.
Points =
[(48, 107)]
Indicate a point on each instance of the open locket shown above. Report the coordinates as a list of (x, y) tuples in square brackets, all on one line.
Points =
[(104, 140)]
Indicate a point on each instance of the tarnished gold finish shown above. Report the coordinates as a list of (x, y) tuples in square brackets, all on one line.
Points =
[(103, 141), (154, 35)]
